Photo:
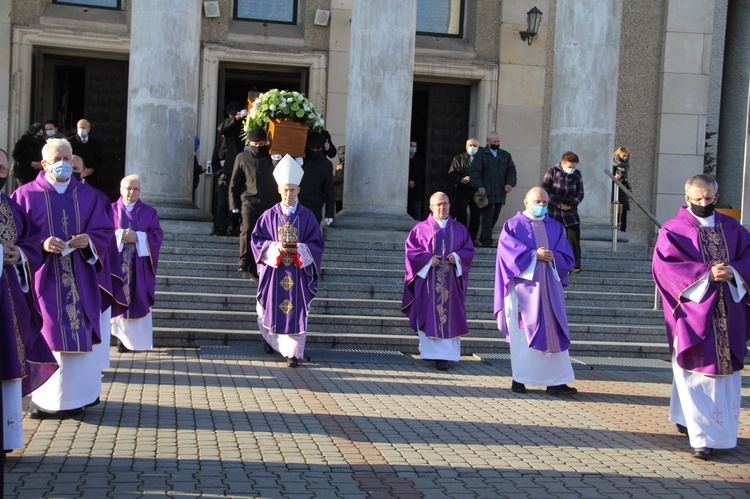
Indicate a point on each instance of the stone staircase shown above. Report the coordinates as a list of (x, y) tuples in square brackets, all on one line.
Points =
[(202, 300)]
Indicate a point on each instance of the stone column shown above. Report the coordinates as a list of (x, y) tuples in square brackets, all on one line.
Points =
[(378, 122), (732, 132), (163, 103), (584, 95), (745, 207)]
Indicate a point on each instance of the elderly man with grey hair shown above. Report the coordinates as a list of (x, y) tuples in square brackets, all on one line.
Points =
[(75, 230), (701, 266), (139, 238)]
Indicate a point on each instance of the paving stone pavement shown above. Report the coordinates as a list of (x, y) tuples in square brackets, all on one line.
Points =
[(174, 424)]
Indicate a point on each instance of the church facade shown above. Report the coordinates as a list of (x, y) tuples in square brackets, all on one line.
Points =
[(652, 76)]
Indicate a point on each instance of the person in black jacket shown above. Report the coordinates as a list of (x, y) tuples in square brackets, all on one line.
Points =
[(253, 191), (316, 188), (27, 154), (492, 174), (231, 145), (415, 195), (90, 150), (463, 192), (328, 148)]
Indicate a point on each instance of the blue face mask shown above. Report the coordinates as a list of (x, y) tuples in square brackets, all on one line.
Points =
[(538, 210), (472, 150), (61, 170), (412, 150)]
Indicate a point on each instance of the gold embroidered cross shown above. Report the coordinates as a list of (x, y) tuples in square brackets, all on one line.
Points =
[(286, 306), (287, 259), (287, 283)]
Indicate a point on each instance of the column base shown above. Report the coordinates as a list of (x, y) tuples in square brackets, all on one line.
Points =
[(356, 225)]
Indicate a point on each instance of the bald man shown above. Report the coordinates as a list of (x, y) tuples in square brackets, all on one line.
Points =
[(90, 150), (533, 260)]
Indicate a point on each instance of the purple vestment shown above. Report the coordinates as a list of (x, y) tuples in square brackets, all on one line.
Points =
[(139, 272), (67, 286), (541, 304), (111, 279), (712, 335), (285, 292), (26, 355), (436, 305)]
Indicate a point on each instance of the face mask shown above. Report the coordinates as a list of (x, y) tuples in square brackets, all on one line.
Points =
[(77, 175), (494, 147), (472, 150), (702, 211), (50, 133), (412, 150), (569, 170), (538, 210), (259, 150), (83, 133), (2, 182), (61, 170)]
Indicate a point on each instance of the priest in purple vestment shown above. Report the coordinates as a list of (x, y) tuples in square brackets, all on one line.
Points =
[(439, 252), (533, 261), (27, 361), (701, 266), (74, 230), (139, 238), (288, 245)]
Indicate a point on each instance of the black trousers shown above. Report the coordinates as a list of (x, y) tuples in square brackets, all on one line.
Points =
[(573, 233), (461, 201), (249, 219), (490, 214)]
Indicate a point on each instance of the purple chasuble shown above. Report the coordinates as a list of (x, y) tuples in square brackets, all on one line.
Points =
[(712, 335), (110, 276), (26, 355), (541, 303), (285, 292), (67, 286), (139, 271), (436, 305)]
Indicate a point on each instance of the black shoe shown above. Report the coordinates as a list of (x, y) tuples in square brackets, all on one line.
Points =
[(517, 387), (252, 276), (292, 362), (35, 412), (682, 429), (242, 268), (441, 365), (232, 232), (122, 348), (561, 390), (220, 233), (267, 347), (94, 403), (701, 452)]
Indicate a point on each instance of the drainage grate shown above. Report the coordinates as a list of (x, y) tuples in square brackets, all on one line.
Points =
[(343, 355), (587, 363)]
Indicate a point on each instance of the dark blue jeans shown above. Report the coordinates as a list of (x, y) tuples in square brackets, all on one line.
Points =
[(222, 208)]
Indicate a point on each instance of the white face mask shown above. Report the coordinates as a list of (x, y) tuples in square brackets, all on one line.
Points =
[(472, 150), (83, 133), (50, 133), (569, 170)]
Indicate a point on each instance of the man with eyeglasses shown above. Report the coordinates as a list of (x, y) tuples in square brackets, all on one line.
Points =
[(439, 253), (701, 266), (139, 238)]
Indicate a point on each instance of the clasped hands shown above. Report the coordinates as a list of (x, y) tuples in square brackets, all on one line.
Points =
[(129, 236), (11, 254), (56, 245), (436, 260), (544, 254), (721, 273)]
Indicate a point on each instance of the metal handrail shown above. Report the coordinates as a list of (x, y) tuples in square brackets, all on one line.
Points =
[(645, 210)]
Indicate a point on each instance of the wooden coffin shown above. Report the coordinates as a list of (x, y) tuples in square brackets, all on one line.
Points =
[(287, 137)]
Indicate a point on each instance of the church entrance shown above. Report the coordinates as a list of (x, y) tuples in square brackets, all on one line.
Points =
[(68, 88), (439, 124)]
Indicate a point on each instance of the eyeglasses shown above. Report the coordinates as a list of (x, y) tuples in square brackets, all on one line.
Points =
[(129, 189)]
